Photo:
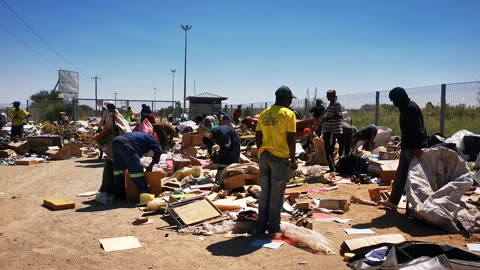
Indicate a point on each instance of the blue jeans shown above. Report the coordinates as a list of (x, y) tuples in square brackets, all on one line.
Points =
[(274, 173)]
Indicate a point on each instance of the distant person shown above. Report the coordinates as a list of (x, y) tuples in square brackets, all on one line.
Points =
[(209, 121), (367, 135), (17, 115), (63, 118), (318, 112), (131, 114), (229, 141), (413, 139), (345, 144), (165, 132), (332, 128), (275, 137), (224, 118), (144, 112), (199, 119), (237, 115)]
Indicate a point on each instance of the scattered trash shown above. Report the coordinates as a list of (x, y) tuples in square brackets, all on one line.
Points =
[(119, 243)]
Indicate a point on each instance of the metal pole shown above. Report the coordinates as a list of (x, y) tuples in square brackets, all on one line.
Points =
[(96, 106), (377, 107), (154, 98), (185, 28), (443, 104)]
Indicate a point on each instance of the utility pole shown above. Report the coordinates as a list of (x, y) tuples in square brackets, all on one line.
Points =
[(173, 87), (154, 98), (194, 88), (115, 93), (185, 28), (96, 106)]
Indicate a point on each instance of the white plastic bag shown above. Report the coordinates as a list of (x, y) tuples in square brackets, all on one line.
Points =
[(309, 238)]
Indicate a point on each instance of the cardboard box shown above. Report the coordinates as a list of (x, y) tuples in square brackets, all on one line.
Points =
[(192, 139), (385, 169), (335, 204), (58, 203), (55, 153), (19, 147), (355, 244), (154, 183), (241, 180), (388, 155), (40, 144)]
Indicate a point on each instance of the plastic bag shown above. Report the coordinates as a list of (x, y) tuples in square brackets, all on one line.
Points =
[(310, 238)]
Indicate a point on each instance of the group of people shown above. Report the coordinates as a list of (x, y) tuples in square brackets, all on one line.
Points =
[(275, 140)]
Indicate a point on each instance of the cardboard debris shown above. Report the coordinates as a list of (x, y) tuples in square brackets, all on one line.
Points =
[(58, 203), (358, 231), (388, 155), (355, 244), (385, 169), (241, 180), (29, 161), (119, 243), (334, 204)]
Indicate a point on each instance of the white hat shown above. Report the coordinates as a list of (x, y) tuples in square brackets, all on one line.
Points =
[(109, 103)]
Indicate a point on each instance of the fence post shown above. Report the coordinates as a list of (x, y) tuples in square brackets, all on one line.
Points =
[(306, 108), (74, 109), (377, 107), (443, 104)]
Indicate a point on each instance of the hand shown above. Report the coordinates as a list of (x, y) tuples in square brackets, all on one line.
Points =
[(418, 152)]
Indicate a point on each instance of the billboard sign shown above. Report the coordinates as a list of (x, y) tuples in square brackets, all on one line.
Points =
[(68, 81)]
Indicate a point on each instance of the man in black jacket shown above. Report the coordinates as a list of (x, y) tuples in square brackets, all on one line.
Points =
[(413, 138)]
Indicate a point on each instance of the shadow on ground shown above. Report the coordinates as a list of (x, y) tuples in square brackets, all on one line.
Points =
[(91, 163), (94, 206), (234, 247), (407, 225)]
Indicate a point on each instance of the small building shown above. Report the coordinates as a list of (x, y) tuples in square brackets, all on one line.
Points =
[(204, 103)]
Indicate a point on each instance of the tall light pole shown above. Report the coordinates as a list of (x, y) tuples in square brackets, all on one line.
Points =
[(173, 87), (154, 98), (185, 28)]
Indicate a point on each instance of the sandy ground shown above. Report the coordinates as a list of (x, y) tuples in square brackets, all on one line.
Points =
[(33, 237)]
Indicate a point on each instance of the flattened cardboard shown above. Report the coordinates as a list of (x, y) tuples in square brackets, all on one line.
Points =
[(58, 203), (355, 244), (119, 243), (241, 180)]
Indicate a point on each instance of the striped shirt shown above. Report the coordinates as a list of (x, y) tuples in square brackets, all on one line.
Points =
[(333, 125)]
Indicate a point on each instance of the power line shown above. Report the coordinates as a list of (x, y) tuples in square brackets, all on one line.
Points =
[(28, 46), (38, 35)]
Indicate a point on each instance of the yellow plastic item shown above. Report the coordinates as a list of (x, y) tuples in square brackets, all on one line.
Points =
[(146, 197)]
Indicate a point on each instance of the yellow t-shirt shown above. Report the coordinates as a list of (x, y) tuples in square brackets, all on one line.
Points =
[(18, 116), (274, 123)]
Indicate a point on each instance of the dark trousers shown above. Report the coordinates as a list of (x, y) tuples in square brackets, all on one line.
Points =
[(329, 140), (345, 143), (124, 157), (406, 156), (16, 132)]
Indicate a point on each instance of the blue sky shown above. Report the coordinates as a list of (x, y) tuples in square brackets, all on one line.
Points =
[(243, 50)]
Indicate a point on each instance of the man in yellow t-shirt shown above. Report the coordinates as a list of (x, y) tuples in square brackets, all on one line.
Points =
[(17, 115), (275, 136)]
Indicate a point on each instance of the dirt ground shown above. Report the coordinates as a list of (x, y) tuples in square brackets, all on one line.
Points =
[(33, 237)]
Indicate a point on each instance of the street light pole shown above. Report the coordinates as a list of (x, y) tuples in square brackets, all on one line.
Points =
[(173, 87), (154, 98), (96, 106), (185, 28)]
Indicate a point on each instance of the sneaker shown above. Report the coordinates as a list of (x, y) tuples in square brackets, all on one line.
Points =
[(388, 204), (103, 198)]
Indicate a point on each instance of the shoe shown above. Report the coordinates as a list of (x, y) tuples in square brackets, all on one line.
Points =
[(103, 198), (388, 204)]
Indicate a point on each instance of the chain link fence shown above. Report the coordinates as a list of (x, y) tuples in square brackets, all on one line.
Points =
[(461, 107)]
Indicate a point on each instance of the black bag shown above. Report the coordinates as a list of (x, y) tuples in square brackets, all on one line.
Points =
[(351, 165)]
